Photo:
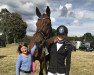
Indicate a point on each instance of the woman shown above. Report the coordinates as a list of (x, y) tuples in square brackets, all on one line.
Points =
[(60, 54)]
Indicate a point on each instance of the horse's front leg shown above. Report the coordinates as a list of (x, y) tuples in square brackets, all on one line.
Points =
[(41, 67), (46, 64)]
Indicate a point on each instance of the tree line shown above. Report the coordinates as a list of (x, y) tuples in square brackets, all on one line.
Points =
[(85, 37), (13, 29)]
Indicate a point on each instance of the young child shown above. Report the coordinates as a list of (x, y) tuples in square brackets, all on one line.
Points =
[(24, 60)]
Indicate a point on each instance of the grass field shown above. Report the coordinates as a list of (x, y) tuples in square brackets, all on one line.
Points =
[(82, 62)]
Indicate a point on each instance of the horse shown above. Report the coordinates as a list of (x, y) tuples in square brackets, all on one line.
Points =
[(44, 30)]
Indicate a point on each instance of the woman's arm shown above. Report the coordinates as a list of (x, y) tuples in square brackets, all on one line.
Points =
[(33, 49)]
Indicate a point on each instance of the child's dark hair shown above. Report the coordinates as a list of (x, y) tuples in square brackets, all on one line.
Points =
[(20, 46)]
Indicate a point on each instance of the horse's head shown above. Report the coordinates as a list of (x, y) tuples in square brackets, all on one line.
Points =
[(44, 22), (44, 28)]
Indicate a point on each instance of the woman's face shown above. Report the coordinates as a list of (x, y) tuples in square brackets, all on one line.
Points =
[(60, 38), (24, 49)]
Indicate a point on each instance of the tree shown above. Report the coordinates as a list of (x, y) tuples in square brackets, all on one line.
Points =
[(5, 22), (53, 32), (19, 26), (12, 24), (87, 37)]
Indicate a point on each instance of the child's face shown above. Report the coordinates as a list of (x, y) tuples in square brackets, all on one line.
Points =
[(24, 49)]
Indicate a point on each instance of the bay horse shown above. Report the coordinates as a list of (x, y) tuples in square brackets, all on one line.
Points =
[(44, 29)]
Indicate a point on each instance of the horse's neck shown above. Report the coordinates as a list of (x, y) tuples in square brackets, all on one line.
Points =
[(32, 42), (35, 38), (39, 36), (51, 39)]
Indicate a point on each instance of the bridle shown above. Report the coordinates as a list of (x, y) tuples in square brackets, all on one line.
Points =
[(44, 37), (41, 32)]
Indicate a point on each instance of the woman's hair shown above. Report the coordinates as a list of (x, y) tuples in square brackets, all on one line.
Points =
[(20, 46)]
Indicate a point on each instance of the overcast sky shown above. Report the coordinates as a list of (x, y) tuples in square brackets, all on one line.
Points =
[(77, 15)]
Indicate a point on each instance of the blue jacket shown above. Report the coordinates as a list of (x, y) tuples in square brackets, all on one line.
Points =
[(24, 63)]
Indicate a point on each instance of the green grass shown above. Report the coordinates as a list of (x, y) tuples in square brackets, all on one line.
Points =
[(82, 63)]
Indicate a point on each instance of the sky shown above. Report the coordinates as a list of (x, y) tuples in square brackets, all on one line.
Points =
[(76, 15)]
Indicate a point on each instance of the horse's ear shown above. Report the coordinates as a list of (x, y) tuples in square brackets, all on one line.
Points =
[(48, 11), (38, 12)]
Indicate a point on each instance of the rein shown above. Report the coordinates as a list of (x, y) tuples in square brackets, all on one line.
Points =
[(44, 37)]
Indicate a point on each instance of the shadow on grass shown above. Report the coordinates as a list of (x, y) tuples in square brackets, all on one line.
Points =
[(2, 56)]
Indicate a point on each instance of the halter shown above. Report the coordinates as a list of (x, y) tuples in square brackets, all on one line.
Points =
[(40, 18), (39, 31)]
